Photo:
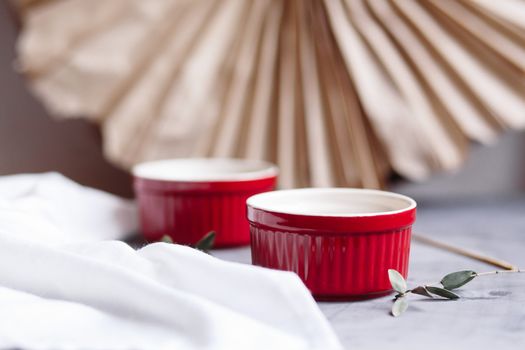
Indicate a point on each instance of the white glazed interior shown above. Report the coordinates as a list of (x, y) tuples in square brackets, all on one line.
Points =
[(204, 169), (337, 202)]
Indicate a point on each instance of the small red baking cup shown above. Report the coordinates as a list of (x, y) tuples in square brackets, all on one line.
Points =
[(187, 198), (341, 242)]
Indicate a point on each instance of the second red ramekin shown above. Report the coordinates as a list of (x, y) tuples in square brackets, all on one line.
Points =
[(341, 242), (187, 198)]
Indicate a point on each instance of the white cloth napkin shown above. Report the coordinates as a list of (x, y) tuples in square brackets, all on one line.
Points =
[(65, 285)]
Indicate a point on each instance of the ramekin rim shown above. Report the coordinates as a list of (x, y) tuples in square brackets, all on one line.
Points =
[(268, 170), (412, 203)]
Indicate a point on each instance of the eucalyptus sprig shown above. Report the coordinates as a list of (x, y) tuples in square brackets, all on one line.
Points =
[(448, 283), (204, 244)]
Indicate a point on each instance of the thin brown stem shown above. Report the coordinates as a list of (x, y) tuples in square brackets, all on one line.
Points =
[(465, 252), (497, 272)]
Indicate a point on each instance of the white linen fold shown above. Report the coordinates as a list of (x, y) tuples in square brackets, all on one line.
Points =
[(63, 285)]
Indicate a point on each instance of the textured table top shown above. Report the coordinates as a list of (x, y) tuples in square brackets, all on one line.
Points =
[(491, 311)]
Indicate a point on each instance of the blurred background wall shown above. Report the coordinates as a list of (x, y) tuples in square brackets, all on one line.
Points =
[(497, 170), (30, 141)]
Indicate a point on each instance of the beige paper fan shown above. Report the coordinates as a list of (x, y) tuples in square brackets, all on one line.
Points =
[(336, 92)]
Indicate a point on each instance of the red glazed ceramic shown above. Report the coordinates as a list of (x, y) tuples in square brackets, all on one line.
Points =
[(341, 242), (187, 198)]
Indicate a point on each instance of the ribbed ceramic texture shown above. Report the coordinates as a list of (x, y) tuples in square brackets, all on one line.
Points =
[(335, 266), (187, 218)]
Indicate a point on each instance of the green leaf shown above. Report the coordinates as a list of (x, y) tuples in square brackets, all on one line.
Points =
[(166, 239), (397, 281), (442, 292), (421, 290), (400, 306), (206, 242), (457, 279)]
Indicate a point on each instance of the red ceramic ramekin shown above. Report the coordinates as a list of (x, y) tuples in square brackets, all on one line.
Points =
[(187, 198), (340, 241)]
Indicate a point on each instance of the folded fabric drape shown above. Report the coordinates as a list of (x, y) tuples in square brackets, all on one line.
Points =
[(65, 284)]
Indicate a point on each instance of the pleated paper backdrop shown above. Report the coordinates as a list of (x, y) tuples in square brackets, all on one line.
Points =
[(336, 92)]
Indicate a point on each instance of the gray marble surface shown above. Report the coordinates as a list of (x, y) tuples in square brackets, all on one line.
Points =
[(491, 312)]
